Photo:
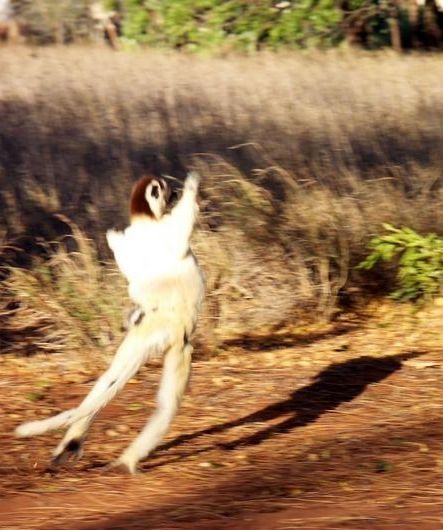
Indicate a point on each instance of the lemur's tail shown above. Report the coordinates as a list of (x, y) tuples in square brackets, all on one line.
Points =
[(134, 351)]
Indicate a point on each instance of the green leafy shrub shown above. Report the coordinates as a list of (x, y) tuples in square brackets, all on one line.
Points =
[(419, 259), (231, 24)]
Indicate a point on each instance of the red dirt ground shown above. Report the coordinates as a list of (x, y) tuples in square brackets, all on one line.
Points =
[(341, 428)]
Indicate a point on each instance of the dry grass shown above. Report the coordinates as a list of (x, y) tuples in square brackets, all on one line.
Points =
[(64, 303), (302, 157)]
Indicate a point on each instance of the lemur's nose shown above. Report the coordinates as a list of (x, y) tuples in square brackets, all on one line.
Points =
[(154, 192)]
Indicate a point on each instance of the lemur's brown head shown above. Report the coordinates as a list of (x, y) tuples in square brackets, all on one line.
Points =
[(150, 197)]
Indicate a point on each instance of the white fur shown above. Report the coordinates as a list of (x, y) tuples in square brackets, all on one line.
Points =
[(167, 284), (151, 249)]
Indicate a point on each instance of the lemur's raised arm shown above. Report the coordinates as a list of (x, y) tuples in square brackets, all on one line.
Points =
[(184, 214)]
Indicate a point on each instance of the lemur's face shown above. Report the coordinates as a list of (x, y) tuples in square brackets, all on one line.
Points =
[(157, 196), (150, 197)]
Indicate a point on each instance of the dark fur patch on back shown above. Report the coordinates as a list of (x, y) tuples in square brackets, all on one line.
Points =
[(139, 318)]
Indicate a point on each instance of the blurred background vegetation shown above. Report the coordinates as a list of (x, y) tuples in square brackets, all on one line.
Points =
[(249, 26), (303, 155), (223, 26)]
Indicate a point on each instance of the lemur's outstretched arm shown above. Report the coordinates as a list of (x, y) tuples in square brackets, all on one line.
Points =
[(183, 216)]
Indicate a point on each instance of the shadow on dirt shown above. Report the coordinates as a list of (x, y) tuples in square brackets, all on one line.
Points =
[(337, 384), (249, 491)]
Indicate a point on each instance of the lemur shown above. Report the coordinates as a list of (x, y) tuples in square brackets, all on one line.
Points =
[(166, 285)]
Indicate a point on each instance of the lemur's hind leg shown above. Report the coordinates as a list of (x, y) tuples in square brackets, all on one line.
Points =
[(133, 353), (174, 380), (137, 347)]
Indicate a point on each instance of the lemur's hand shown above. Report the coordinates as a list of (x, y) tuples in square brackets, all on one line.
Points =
[(192, 181)]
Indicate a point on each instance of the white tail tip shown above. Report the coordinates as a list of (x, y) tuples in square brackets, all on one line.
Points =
[(25, 430)]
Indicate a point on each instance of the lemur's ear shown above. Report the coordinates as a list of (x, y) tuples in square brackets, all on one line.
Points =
[(139, 204)]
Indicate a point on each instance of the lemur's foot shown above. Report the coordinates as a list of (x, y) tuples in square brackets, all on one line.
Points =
[(71, 452), (123, 467)]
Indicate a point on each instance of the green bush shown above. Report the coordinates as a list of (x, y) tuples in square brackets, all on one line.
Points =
[(231, 24), (419, 260)]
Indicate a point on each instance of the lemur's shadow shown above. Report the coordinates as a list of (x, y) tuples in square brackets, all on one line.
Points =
[(337, 384)]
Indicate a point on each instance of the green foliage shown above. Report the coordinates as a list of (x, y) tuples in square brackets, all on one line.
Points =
[(419, 259), (231, 24)]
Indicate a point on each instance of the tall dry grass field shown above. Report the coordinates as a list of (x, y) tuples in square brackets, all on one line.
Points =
[(302, 158)]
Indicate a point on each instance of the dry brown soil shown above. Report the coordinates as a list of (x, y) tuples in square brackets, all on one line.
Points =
[(334, 427)]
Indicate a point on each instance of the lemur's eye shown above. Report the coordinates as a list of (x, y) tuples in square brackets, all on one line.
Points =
[(155, 192)]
